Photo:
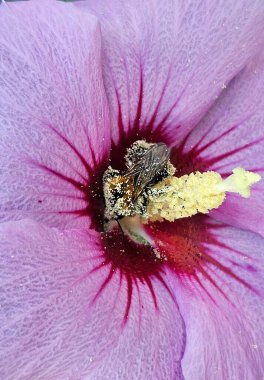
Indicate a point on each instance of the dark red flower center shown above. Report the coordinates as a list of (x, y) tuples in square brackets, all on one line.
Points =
[(180, 244)]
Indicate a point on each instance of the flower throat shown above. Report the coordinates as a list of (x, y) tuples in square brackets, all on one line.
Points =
[(149, 191)]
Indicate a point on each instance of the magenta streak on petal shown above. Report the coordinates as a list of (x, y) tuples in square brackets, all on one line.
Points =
[(82, 187), (150, 131), (77, 184), (165, 118), (104, 284), (57, 74), (129, 298), (182, 244), (136, 125), (73, 148), (220, 157), (63, 161), (187, 161), (149, 284), (151, 122), (133, 264), (195, 147), (126, 138), (210, 143), (64, 195), (141, 306), (195, 151), (90, 185)]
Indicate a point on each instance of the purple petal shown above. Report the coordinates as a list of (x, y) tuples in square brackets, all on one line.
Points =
[(224, 322), (55, 326), (232, 135), (54, 114), (165, 62)]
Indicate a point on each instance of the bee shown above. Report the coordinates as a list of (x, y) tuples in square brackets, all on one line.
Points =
[(147, 168), (126, 193)]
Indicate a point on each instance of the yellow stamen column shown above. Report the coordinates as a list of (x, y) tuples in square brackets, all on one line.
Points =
[(175, 198)]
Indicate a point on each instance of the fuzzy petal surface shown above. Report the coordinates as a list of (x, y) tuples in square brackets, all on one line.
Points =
[(54, 113), (232, 135), (165, 62), (224, 325), (55, 324)]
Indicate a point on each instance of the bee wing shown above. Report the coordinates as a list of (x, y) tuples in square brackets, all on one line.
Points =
[(148, 166)]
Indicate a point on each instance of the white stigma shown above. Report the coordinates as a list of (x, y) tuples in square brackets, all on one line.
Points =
[(239, 182)]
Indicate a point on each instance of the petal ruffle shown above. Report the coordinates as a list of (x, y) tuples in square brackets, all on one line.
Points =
[(166, 61), (232, 135), (54, 113), (224, 333), (55, 325)]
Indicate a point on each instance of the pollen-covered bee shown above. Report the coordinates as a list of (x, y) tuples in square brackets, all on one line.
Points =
[(126, 193)]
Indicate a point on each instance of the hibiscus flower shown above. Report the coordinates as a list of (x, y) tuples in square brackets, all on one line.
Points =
[(79, 85)]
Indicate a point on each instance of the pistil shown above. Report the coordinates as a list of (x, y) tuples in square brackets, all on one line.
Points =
[(174, 198)]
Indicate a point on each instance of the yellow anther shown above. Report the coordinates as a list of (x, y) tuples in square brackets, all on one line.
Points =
[(175, 198)]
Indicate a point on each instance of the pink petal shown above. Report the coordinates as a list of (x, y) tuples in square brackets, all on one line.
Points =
[(232, 135), (224, 325), (54, 325), (54, 114), (165, 62)]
